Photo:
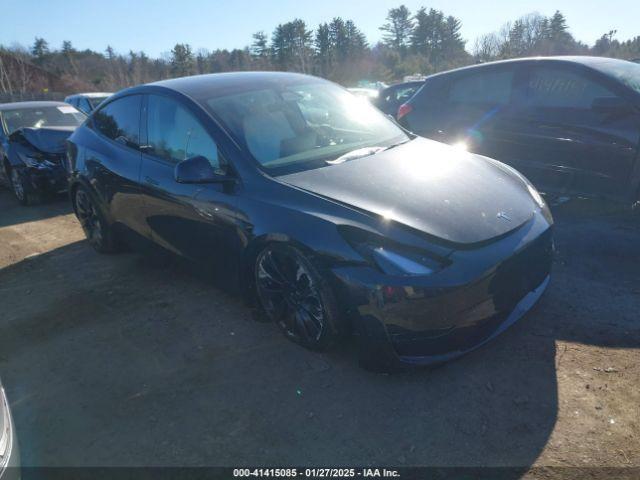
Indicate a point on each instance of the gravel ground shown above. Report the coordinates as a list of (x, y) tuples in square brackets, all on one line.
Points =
[(127, 361)]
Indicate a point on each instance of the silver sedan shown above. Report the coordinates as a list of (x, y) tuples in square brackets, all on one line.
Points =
[(9, 453)]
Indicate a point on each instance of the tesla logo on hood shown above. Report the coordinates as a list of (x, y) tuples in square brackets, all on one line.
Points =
[(503, 216)]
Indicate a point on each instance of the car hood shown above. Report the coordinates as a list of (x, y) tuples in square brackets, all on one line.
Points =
[(439, 190), (47, 139)]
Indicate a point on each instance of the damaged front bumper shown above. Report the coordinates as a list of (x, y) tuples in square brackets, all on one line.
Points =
[(423, 320), (47, 177)]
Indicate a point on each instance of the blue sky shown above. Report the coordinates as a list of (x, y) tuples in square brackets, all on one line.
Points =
[(155, 26)]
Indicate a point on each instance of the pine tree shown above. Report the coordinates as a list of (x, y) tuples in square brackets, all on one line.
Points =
[(398, 29), (182, 61), (40, 48), (260, 45)]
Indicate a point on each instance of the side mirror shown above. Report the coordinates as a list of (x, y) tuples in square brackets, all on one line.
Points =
[(611, 106), (198, 170)]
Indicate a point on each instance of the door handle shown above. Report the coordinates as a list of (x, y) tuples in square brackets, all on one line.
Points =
[(151, 181)]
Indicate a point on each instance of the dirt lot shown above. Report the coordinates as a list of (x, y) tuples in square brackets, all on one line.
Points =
[(120, 360)]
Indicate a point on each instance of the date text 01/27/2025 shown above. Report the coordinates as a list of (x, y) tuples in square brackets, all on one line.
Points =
[(315, 473)]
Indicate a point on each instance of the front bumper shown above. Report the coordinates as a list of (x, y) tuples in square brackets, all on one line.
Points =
[(51, 179), (9, 452), (405, 321)]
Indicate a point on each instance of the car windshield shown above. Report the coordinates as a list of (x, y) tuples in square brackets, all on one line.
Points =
[(290, 128), (95, 101), (50, 116), (627, 72)]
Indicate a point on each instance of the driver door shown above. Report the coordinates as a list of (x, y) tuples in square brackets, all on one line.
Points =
[(186, 219)]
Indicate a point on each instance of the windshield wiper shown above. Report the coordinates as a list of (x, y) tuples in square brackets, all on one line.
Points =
[(353, 154), (364, 152), (394, 145)]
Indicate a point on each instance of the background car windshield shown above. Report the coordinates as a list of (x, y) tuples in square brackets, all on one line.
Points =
[(95, 101), (297, 127), (627, 72), (55, 116)]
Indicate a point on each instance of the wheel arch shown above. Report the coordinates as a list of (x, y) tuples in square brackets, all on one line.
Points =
[(78, 182), (250, 255)]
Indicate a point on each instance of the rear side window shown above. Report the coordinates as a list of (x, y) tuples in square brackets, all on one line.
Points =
[(174, 134), (559, 88), (483, 88), (120, 120)]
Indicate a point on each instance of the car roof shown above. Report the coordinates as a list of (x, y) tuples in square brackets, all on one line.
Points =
[(37, 104), (201, 86), (588, 61), (405, 84), (91, 94)]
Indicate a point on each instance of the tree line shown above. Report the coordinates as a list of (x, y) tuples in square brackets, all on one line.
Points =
[(420, 42)]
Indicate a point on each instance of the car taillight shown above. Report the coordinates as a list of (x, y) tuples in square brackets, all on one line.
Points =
[(403, 110)]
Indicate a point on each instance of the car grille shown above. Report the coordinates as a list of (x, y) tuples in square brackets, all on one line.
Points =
[(521, 273), (502, 291)]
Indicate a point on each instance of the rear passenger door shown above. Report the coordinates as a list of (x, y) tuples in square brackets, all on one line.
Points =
[(113, 160), (567, 145)]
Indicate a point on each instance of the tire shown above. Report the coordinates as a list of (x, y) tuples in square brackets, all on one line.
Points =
[(96, 228), (293, 293), (20, 189)]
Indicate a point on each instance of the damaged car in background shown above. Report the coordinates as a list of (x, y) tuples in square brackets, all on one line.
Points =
[(87, 102), (33, 149)]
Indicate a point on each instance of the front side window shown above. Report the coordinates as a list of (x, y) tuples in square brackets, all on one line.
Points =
[(174, 134), (300, 125), (120, 120), (94, 102), (550, 87), (49, 116), (483, 88)]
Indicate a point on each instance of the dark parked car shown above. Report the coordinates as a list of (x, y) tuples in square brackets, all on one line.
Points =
[(321, 207), (9, 452), (32, 147), (390, 99), (570, 124), (87, 102)]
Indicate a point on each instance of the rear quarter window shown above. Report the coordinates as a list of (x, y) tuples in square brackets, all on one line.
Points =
[(120, 120)]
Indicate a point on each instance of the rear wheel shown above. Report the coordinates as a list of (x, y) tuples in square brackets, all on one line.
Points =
[(295, 295), (21, 190), (93, 222)]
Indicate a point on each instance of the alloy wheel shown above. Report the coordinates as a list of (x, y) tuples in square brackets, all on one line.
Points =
[(16, 183), (89, 218), (290, 295)]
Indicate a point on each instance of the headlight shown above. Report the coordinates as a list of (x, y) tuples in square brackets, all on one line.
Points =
[(391, 257), (536, 195), (33, 159), (395, 263), (38, 160)]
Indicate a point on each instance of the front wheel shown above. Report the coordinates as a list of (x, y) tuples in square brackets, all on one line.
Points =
[(295, 295), (20, 189), (93, 222)]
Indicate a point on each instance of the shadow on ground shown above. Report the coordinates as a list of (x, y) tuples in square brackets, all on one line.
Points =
[(13, 213)]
